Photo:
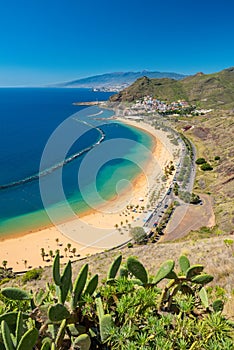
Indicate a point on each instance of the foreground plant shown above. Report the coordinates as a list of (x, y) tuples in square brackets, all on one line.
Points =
[(129, 311)]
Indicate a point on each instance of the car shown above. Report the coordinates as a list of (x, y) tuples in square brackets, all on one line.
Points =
[(166, 206), (155, 224)]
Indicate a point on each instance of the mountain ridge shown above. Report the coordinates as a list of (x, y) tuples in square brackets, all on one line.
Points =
[(210, 90)]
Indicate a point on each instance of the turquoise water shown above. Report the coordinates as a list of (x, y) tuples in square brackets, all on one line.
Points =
[(28, 118)]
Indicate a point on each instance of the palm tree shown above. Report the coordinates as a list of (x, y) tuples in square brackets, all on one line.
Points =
[(69, 246), (43, 253), (51, 254), (74, 251), (65, 250), (57, 240), (4, 264), (25, 263), (116, 226)]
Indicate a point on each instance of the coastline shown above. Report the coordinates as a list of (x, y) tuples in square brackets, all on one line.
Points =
[(97, 228)]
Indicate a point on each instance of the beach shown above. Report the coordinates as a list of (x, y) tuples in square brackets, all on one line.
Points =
[(100, 229)]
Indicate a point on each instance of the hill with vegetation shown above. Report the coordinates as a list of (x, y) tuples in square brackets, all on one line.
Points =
[(204, 90)]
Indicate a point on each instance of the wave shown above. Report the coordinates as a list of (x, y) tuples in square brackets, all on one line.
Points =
[(95, 115), (57, 165)]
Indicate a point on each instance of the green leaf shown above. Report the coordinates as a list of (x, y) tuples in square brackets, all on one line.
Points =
[(15, 294), (92, 285), (58, 312), (65, 282), (7, 336), (194, 270), (204, 298), (19, 327), (114, 267), (164, 270), (218, 305), (28, 340), (137, 269), (184, 263), (79, 285), (56, 270), (202, 279)]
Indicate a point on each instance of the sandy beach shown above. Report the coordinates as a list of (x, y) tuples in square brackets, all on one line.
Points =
[(104, 228)]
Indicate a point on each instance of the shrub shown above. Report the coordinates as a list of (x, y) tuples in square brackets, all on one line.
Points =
[(206, 167), (32, 275), (200, 161), (217, 158), (138, 234), (195, 199)]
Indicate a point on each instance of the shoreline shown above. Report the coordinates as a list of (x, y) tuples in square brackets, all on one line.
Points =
[(96, 230)]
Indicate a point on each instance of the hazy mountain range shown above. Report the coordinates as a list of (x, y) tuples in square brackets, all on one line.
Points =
[(119, 79)]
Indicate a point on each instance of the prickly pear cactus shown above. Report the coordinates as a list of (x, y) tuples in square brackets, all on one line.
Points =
[(106, 323), (184, 263), (15, 294), (114, 267), (57, 313), (137, 269), (83, 342), (164, 270), (79, 285)]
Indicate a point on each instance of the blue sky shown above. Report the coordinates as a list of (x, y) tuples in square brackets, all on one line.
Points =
[(43, 41)]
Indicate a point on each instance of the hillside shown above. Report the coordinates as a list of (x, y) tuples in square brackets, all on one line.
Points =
[(117, 79), (205, 90)]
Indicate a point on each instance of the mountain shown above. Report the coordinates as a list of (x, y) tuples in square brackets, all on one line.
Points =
[(205, 90), (116, 79)]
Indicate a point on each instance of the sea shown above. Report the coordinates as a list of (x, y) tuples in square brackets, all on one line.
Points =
[(47, 140)]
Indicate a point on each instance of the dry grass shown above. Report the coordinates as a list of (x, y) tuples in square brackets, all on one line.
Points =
[(213, 136), (213, 253)]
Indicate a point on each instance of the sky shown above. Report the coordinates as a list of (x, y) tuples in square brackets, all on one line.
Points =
[(48, 41)]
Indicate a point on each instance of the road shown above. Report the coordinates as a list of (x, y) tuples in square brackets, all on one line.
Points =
[(169, 197)]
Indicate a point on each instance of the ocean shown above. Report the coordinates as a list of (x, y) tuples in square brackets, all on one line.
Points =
[(47, 142)]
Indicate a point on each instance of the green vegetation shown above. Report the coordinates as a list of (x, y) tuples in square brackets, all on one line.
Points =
[(138, 234), (206, 167), (200, 161), (205, 90), (31, 275), (130, 310)]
